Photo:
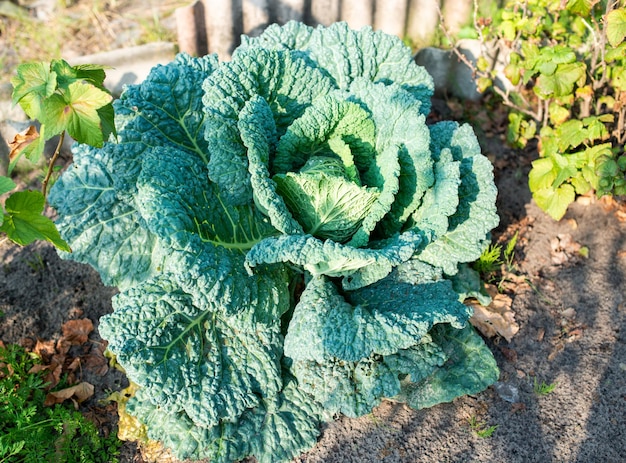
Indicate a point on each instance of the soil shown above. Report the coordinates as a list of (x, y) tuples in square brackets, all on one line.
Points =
[(567, 289)]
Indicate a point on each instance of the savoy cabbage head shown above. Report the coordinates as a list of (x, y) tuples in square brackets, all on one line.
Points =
[(283, 229)]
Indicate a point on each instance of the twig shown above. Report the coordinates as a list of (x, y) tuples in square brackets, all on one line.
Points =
[(503, 94), (44, 184)]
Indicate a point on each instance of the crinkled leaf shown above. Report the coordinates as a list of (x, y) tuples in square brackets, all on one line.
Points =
[(378, 319), (327, 128), (350, 388), (164, 110), (285, 80), (476, 213), (103, 231), (327, 206), (346, 55), (281, 428), (402, 170), (211, 361), (359, 266), (175, 211), (469, 369), (258, 133)]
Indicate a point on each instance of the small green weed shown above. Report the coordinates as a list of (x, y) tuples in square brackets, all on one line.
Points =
[(496, 262), (480, 428), (543, 388), (31, 432)]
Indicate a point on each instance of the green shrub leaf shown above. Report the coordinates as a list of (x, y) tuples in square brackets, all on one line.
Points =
[(561, 83), (33, 83), (6, 185), (77, 112), (24, 222), (616, 26), (555, 201)]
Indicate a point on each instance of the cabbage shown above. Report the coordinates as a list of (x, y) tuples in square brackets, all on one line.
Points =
[(283, 229)]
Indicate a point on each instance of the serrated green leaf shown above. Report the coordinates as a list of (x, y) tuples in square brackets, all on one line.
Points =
[(558, 114), (561, 82), (24, 222), (6, 185), (580, 184), (93, 73), (542, 174), (508, 30), (618, 75), (76, 111), (34, 150), (555, 201), (513, 72), (596, 129), (615, 53), (580, 7), (616, 26), (570, 134), (33, 84)]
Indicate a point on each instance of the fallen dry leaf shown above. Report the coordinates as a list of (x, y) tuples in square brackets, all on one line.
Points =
[(497, 318), (45, 349), (74, 364), (77, 393), (565, 249), (96, 363), (76, 332), (22, 140)]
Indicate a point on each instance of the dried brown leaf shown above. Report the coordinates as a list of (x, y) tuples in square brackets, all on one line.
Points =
[(76, 332), (495, 319), (22, 140), (564, 249), (78, 393), (45, 349), (97, 363), (74, 364)]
